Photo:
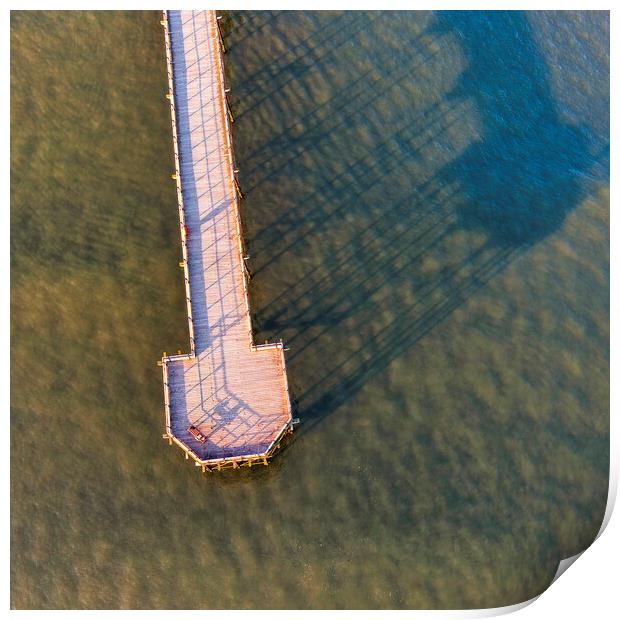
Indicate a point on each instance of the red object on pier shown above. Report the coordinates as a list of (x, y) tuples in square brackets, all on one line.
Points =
[(196, 434)]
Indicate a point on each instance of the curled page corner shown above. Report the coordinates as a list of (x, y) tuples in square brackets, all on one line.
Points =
[(564, 565)]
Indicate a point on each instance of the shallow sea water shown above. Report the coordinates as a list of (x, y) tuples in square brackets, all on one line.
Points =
[(427, 212)]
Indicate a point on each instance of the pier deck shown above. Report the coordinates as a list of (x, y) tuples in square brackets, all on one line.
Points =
[(233, 392)]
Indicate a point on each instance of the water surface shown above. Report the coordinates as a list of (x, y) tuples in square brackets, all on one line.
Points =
[(427, 212)]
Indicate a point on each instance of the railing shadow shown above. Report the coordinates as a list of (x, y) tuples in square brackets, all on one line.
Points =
[(247, 24)]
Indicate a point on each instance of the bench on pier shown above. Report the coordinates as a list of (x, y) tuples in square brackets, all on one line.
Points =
[(196, 434)]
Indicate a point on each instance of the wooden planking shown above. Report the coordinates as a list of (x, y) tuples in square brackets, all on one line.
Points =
[(235, 394)]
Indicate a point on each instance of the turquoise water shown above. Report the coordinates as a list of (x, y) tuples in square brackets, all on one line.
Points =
[(427, 212)]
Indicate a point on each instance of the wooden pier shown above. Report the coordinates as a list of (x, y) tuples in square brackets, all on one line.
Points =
[(226, 401)]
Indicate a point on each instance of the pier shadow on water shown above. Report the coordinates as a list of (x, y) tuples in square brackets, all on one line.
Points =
[(429, 179)]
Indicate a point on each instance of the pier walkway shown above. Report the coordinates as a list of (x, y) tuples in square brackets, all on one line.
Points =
[(226, 401)]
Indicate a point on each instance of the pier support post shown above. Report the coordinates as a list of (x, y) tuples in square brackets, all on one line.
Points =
[(237, 188), (228, 108), (248, 273), (219, 32)]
